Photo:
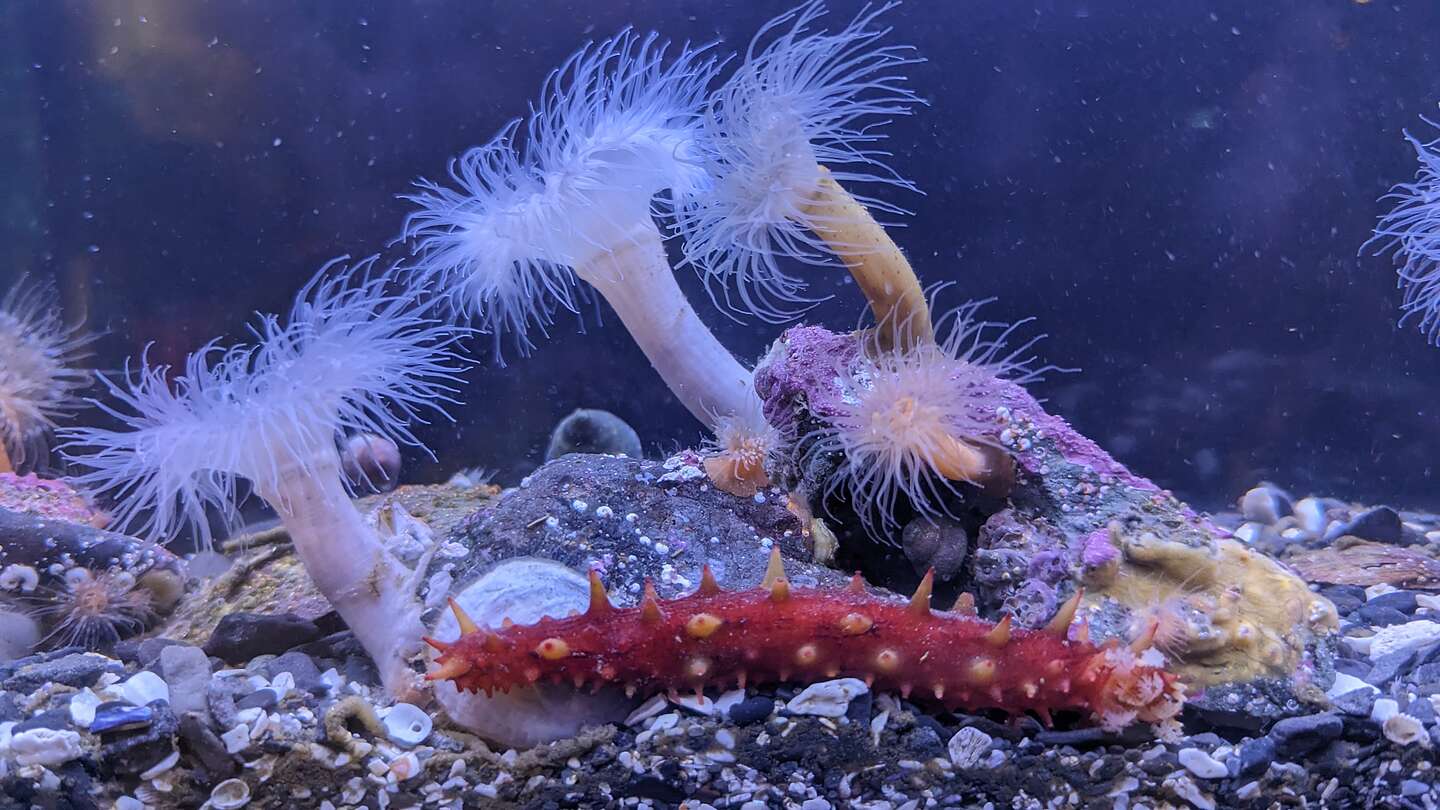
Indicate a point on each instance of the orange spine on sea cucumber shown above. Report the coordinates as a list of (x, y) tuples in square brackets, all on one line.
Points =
[(778, 633)]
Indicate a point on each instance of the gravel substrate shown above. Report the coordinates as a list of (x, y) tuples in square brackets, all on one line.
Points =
[(167, 724)]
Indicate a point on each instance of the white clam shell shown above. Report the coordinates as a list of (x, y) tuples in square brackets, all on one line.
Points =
[(230, 794), (526, 590), (1402, 729)]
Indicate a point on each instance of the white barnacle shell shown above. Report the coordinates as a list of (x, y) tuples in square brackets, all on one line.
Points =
[(1403, 729), (17, 577), (525, 590)]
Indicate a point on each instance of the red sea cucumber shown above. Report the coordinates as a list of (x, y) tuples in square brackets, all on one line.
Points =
[(778, 633)]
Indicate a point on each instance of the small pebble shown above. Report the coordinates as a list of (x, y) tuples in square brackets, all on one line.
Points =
[(145, 687), (968, 746), (1202, 764), (827, 698)]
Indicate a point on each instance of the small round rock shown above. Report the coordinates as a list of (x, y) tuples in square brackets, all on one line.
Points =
[(407, 724), (1202, 764)]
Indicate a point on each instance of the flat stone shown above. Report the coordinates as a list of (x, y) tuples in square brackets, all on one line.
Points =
[(45, 746), (55, 719), (1421, 709), (145, 687), (1380, 615), (1353, 666), (968, 746), (1379, 524), (116, 716), (302, 666), (1403, 601), (133, 752), (148, 651), (1295, 736), (240, 637), (1414, 634), (1389, 666), (827, 698), (1345, 597), (259, 699), (75, 669), (207, 748), (1255, 756), (187, 672), (1202, 764), (1356, 702)]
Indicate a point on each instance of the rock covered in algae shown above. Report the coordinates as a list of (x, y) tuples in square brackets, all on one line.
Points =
[(268, 578), (1075, 517), (631, 519), (73, 582), (48, 498)]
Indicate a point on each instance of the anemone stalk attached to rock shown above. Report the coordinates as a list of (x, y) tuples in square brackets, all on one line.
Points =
[(617, 126), (351, 358)]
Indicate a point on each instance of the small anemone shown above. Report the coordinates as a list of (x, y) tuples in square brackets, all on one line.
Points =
[(1411, 233), (615, 127), (38, 377), (735, 460), (913, 423), (96, 610), (802, 109)]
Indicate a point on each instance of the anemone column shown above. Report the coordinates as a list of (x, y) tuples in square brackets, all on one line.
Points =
[(350, 358)]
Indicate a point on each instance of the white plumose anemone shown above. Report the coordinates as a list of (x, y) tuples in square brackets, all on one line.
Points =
[(39, 379), (1412, 232), (612, 140), (351, 357), (798, 116)]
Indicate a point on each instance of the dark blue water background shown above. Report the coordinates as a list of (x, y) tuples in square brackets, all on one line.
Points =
[(1175, 189)]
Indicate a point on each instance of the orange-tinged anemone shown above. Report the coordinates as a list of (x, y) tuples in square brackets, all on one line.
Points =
[(97, 610), (735, 461), (914, 422), (38, 377)]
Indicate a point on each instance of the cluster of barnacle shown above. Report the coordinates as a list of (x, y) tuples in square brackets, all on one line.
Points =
[(628, 146)]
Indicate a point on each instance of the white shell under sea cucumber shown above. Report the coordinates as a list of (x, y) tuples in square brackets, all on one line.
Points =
[(525, 590)]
